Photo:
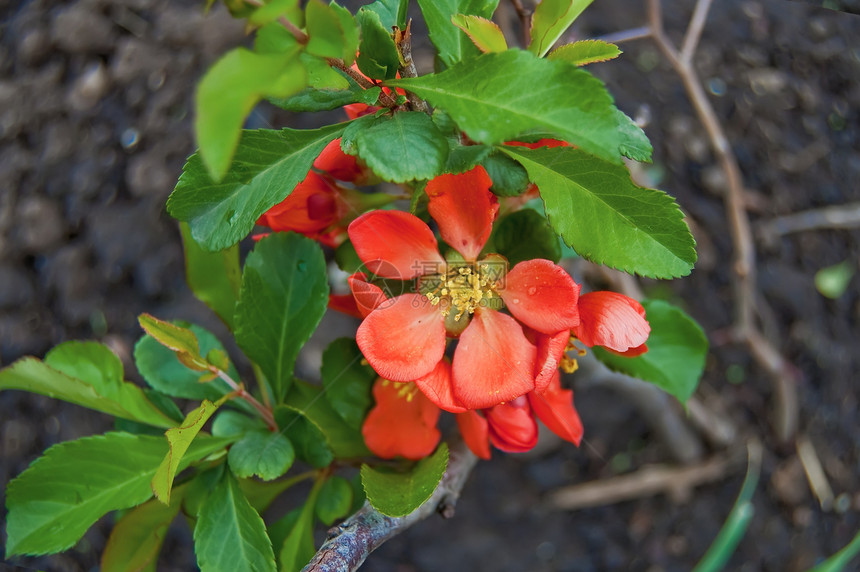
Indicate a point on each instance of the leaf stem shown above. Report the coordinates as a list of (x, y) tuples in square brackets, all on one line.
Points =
[(385, 99), (407, 68), (242, 393)]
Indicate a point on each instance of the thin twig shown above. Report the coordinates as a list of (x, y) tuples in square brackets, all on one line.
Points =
[(407, 67), (838, 216), (627, 35), (815, 473), (694, 30), (242, 393), (525, 15), (350, 543), (385, 99)]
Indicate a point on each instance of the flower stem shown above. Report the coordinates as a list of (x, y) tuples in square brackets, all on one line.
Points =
[(242, 393)]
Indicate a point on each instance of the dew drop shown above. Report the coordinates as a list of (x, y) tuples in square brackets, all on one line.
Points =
[(301, 265), (230, 216), (516, 300), (532, 291)]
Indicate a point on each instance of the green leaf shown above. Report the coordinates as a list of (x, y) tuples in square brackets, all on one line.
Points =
[(212, 276), (284, 296), (307, 437), (677, 348), (86, 374), (550, 20), (261, 494), (229, 534), (335, 500), (598, 211), (328, 88), (484, 33), (493, 98), (267, 167), (346, 442), (274, 9), (230, 423), (462, 158), (391, 12), (525, 235), (274, 38), (263, 453), (378, 56), (398, 494), (136, 540), (347, 381), (332, 31), (509, 178), (832, 281), (53, 503), (347, 258), (298, 547), (230, 90), (585, 52), (179, 440), (163, 371), (841, 559), (400, 148), (179, 339), (452, 43)]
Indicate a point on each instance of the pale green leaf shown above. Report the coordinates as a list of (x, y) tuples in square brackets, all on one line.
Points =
[(391, 12), (607, 219), (585, 52), (262, 453), (378, 57), (267, 167), (452, 43), (335, 500), (274, 9), (398, 494), (550, 20), (484, 33), (176, 338), (832, 281), (332, 31), (212, 276)]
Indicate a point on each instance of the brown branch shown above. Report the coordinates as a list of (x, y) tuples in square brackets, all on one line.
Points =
[(350, 543), (694, 30), (525, 17), (407, 67), (839, 216), (385, 99)]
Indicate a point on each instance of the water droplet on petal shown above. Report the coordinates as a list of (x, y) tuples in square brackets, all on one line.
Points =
[(532, 291), (516, 300)]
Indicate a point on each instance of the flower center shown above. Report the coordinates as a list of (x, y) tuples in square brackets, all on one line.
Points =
[(569, 364), (405, 390), (463, 288)]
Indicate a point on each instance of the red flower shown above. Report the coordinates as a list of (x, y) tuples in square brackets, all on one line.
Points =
[(405, 339), (402, 423), (338, 165)]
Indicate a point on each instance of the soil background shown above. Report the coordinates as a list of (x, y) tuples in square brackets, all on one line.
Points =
[(95, 124)]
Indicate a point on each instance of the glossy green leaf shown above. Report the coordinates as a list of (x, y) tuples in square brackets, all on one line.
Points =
[(400, 148), (267, 167), (328, 88), (53, 503), (136, 540), (462, 158), (346, 442), (179, 439), (284, 296), (307, 437), (525, 235), (841, 559), (334, 501), (452, 43), (598, 211), (274, 9), (509, 178), (229, 534), (332, 31), (179, 339), (212, 276), (550, 20), (298, 547), (86, 374), (274, 38), (230, 90), (398, 494), (391, 12), (229, 423), (484, 33), (378, 57), (347, 381), (262, 453), (585, 52), (163, 371), (493, 98), (677, 348)]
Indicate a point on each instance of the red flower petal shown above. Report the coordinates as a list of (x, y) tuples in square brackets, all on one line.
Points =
[(310, 208), (338, 164), (367, 296), (476, 433), (404, 338), (436, 385), (550, 143), (344, 303), (403, 422), (549, 352), (612, 320), (395, 244), (464, 208), (512, 426), (542, 295), (555, 408), (494, 362)]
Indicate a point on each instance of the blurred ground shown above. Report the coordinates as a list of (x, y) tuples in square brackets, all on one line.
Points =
[(95, 126)]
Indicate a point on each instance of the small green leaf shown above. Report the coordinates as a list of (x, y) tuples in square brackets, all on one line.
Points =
[(525, 235), (462, 158), (180, 340), (274, 38), (335, 500), (262, 453), (86, 374), (73, 484), (229, 423), (298, 547), (229, 534), (283, 297), (332, 31), (261, 494), (136, 540), (212, 276), (493, 98), (598, 211), (230, 90), (833, 280), (378, 57), (398, 494), (347, 258), (452, 43), (391, 12), (274, 9), (585, 52), (841, 559), (400, 148), (179, 440), (310, 442), (509, 178), (550, 20), (267, 167), (677, 348), (347, 381), (346, 442), (484, 33)]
